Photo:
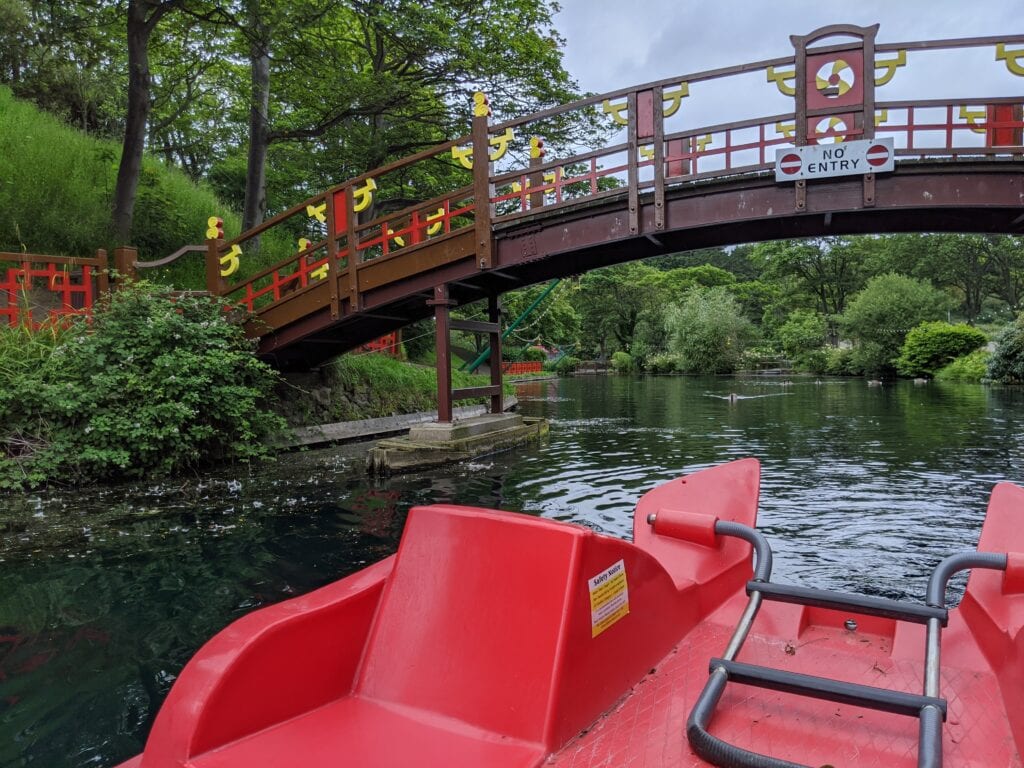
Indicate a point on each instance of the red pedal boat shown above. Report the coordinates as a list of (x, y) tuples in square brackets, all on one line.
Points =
[(495, 639)]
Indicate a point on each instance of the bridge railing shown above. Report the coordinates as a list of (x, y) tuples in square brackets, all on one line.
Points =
[(38, 290), (372, 231)]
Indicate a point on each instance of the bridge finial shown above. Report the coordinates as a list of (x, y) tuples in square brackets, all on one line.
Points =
[(481, 105)]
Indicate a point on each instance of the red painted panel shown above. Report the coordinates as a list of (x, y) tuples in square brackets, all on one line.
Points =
[(842, 78), (1005, 135), (341, 211), (645, 115)]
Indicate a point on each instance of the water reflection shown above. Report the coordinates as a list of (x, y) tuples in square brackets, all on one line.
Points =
[(104, 594)]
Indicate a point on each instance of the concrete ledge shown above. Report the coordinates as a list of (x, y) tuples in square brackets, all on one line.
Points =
[(405, 455), (348, 431)]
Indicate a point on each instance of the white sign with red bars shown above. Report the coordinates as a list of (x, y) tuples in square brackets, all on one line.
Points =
[(847, 158)]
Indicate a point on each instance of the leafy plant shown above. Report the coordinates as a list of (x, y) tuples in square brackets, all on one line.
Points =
[(1007, 361), (930, 346), (154, 387), (971, 367), (622, 362), (708, 331), (662, 364)]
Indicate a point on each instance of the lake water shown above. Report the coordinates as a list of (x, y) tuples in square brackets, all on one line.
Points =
[(106, 593)]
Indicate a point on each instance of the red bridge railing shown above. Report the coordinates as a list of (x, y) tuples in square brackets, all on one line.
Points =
[(37, 290)]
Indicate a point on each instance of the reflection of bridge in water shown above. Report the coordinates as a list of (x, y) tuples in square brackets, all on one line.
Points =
[(663, 185)]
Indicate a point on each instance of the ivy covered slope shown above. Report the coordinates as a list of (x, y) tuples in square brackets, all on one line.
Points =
[(153, 387), (57, 185)]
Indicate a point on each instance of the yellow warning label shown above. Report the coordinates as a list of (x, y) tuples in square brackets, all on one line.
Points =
[(609, 598)]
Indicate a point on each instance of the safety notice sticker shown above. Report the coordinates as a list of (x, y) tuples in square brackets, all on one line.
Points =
[(609, 598)]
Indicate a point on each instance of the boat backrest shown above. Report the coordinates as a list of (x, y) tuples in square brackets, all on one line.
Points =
[(517, 625), (469, 622)]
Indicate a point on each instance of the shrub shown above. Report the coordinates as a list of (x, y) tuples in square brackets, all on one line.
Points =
[(534, 355), (840, 362), (622, 362), (1007, 361), (972, 367), (930, 346), (662, 364), (708, 331), (881, 315), (154, 387), (566, 365), (803, 332)]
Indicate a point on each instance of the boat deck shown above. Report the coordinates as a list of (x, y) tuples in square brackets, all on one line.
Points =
[(646, 729)]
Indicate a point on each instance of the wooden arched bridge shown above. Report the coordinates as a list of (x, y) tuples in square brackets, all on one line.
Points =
[(377, 253)]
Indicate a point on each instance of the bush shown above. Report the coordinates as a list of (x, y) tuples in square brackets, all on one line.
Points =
[(1007, 362), (153, 387), (566, 365), (622, 362), (662, 364), (803, 332), (930, 346), (972, 367), (534, 355), (881, 315), (840, 362), (708, 331)]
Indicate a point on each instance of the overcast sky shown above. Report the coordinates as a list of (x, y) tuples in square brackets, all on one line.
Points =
[(616, 43)]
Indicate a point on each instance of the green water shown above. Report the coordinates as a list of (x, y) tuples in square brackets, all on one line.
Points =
[(105, 593)]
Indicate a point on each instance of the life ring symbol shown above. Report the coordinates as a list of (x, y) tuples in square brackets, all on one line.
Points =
[(835, 79), (830, 130)]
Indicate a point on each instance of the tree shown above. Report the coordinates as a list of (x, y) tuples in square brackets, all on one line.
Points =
[(880, 317), (708, 331), (1007, 361), (802, 333)]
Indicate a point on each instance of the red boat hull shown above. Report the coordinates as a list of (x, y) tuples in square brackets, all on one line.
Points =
[(498, 639)]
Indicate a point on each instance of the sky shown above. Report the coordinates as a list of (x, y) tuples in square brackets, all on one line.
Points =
[(611, 44)]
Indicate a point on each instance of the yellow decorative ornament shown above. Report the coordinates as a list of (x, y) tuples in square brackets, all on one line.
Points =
[(617, 111), (501, 142), (536, 147), (834, 125), (229, 262), (321, 272), (304, 243), (781, 80), (786, 129), (890, 66), (399, 240), (882, 116), (481, 105), (972, 116), (1012, 58), (435, 222), (703, 142), (317, 212), (549, 178), (834, 79), (464, 156), (673, 99), (647, 153), (215, 228), (362, 197)]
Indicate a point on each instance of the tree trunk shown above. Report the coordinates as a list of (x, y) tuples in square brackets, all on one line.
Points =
[(139, 30), (256, 177)]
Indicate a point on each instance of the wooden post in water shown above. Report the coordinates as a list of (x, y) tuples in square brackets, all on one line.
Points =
[(494, 315), (442, 305)]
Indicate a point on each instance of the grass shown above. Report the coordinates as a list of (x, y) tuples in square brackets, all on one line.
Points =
[(57, 190), (971, 368)]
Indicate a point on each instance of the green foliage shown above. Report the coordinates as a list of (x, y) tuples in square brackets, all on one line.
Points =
[(880, 316), (662, 364), (40, 157), (972, 367), (802, 333), (622, 362), (153, 387), (708, 331), (840, 362), (1007, 362), (534, 355), (931, 346), (567, 365)]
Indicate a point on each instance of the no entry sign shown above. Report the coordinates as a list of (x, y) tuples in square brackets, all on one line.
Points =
[(848, 158)]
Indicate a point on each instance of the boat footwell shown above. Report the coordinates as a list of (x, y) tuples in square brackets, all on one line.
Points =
[(500, 640)]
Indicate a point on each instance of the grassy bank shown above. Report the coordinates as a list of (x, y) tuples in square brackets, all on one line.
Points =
[(365, 386)]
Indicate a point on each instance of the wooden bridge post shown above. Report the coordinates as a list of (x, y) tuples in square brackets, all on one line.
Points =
[(494, 316), (102, 272), (213, 280), (482, 187), (442, 337), (124, 264)]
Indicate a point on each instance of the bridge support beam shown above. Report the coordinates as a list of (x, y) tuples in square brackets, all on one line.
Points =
[(443, 326)]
